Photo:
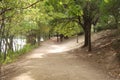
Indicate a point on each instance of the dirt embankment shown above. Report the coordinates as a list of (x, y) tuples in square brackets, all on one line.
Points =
[(105, 53)]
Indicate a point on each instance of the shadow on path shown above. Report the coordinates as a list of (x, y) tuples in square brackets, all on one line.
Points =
[(51, 61)]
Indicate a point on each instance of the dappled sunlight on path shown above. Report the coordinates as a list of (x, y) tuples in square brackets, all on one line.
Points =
[(51, 47), (36, 55), (24, 76)]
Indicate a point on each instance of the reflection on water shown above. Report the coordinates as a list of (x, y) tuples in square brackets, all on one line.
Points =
[(18, 44)]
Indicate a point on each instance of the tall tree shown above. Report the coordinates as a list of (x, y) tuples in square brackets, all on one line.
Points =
[(85, 13)]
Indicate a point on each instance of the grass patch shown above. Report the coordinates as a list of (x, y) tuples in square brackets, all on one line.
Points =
[(12, 56)]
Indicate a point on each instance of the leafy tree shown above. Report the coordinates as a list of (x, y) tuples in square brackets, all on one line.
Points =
[(12, 15), (7, 12), (84, 13)]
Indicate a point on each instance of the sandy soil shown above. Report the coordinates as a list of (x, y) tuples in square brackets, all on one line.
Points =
[(53, 61)]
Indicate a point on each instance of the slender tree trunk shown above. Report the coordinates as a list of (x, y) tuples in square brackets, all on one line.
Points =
[(0, 62), (0, 59), (2, 33), (0, 71), (38, 40), (61, 37), (5, 51), (57, 37), (77, 38), (49, 35), (10, 44), (0, 45)]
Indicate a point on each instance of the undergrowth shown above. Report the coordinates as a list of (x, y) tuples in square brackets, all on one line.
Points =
[(12, 56)]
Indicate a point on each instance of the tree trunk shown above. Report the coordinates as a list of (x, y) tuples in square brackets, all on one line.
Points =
[(0, 70), (85, 37), (31, 39), (10, 44), (89, 38), (61, 37), (49, 35), (0, 45), (5, 51), (84, 27), (57, 37), (77, 39), (38, 40), (2, 33)]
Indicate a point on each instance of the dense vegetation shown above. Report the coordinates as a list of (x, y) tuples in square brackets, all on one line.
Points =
[(33, 19)]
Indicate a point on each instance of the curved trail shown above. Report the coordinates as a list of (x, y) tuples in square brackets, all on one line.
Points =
[(51, 61)]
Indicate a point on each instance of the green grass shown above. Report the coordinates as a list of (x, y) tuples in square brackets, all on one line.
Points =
[(12, 56)]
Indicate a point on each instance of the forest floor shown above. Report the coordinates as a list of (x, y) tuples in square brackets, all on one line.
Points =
[(65, 61)]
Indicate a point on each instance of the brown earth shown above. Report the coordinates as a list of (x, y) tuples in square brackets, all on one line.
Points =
[(105, 52), (62, 61)]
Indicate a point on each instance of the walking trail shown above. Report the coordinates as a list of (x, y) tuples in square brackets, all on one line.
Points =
[(52, 61)]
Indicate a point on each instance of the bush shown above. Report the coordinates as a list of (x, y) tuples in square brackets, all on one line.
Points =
[(101, 27)]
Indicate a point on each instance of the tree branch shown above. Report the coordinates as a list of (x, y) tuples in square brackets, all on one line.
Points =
[(79, 21), (31, 5), (9, 9), (4, 10), (62, 20)]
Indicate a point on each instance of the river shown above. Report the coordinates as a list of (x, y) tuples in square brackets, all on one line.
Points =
[(18, 44)]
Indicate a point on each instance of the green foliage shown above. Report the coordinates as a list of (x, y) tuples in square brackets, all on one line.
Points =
[(106, 23), (69, 29), (111, 8), (12, 56), (22, 18), (1, 58), (60, 11)]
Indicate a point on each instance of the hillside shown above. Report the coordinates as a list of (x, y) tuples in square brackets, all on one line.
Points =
[(105, 52)]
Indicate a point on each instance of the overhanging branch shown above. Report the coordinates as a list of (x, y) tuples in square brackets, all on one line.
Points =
[(9, 9), (31, 5), (62, 20), (79, 21)]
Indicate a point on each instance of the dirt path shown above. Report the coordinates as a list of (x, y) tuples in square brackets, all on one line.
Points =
[(51, 61)]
